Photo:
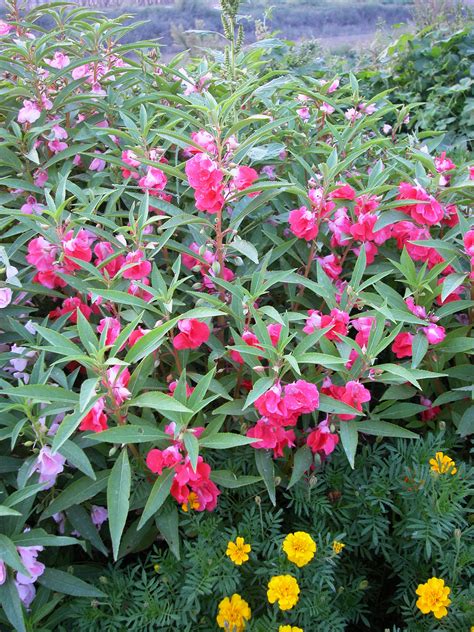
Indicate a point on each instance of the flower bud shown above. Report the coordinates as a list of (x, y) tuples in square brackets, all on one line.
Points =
[(364, 584), (258, 500)]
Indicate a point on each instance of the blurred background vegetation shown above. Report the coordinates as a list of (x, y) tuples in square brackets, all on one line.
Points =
[(340, 26)]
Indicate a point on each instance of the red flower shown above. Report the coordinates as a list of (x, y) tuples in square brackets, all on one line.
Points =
[(303, 223), (402, 345), (139, 266), (193, 334), (96, 419)]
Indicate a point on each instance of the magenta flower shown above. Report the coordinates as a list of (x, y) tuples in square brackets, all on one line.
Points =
[(49, 465)]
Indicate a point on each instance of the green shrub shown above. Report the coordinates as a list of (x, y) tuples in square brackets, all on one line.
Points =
[(226, 276)]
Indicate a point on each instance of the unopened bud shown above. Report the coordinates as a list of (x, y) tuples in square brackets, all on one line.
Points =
[(364, 584), (312, 481), (113, 450), (457, 534), (215, 267), (259, 369), (277, 481), (258, 500), (442, 425), (103, 580), (238, 261), (28, 444)]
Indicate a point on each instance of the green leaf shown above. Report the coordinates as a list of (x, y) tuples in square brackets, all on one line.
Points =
[(225, 440), (76, 493), (302, 462), (226, 478), (68, 584), (330, 405), (384, 429), (466, 425), (7, 511), (128, 434), (260, 387), (9, 555), (41, 393), (419, 349), (159, 401), (450, 283), (168, 524), (400, 371), (402, 410), (192, 448), (80, 519), (245, 248), (87, 392), (118, 495), (77, 457), (11, 604), (158, 495), (266, 469), (349, 439), (69, 425)]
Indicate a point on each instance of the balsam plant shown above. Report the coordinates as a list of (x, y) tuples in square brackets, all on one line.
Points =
[(212, 277)]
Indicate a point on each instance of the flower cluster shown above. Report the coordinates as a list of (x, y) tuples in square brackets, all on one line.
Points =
[(191, 487)]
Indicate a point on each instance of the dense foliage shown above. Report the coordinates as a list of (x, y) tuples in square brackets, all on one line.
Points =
[(226, 290)]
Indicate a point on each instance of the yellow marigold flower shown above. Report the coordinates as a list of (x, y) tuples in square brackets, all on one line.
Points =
[(289, 628), (443, 464), (233, 613), (337, 546), (433, 597), (191, 503), (238, 551), (285, 590), (299, 548)]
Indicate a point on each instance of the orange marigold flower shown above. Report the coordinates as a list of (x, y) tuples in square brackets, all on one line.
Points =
[(299, 548), (433, 597), (285, 590), (443, 464), (233, 613)]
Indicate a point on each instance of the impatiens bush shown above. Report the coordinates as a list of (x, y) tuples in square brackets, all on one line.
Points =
[(213, 277)]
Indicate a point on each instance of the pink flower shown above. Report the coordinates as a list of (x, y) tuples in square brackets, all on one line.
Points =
[(29, 113), (117, 380), (272, 405), (59, 60), (303, 223), (469, 242), (187, 480), (28, 555), (431, 411), (322, 439), (56, 146), (97, 164), (103, 251), (340, 226), (343, 192), (355, 394), (40, 177), (5, 28), (205, 177), (304, 113), (443, 164), (417, 310), (59, 132), (99, 515), (338, 320), (158, 460), (272, 436), (77, 247), (3, 568), (366, 204), (154, 181), (352, 115), (427, 211), (193, 334), (31, 206), (136, 335), (333, 86), (205, 140), (402, 345), (70, 306), (96, 419), (244, 177), (301, 397), (5, 297), (26, 592), (434, 333), (364, 227), (139, 267), (331, 264), (48, 465), (113, 329)]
